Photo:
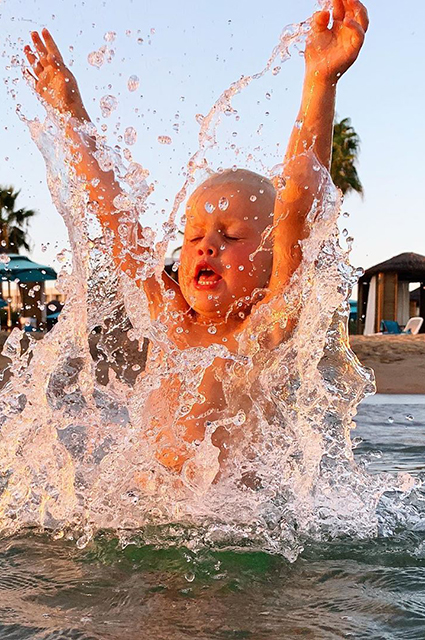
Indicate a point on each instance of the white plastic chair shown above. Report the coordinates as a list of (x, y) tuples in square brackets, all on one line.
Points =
[(413, 325)]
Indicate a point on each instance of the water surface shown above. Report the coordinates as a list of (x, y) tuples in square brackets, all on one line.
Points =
[(346, 589)]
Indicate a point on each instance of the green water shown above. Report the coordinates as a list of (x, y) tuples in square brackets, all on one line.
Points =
[(347, 589)]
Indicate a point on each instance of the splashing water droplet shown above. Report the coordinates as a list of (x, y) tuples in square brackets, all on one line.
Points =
[(108, 104), (133, 83), (96, 58), (110, 36), (164, 140), (130, 135), (223, 203), (209, 207), (190, 577)]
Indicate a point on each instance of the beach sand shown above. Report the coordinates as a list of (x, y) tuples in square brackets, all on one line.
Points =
[(398, 361)]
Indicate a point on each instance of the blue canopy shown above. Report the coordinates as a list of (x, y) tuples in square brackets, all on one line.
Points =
[(23, 269)]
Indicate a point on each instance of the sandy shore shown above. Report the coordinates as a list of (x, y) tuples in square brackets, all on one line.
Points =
[(398, 361)]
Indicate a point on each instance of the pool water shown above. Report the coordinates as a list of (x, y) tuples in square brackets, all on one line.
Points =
[(348, 589)]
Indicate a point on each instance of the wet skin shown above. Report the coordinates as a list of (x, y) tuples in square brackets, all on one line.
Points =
[(209, 292)]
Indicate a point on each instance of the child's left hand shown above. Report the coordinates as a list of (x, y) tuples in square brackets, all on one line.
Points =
[(331, 51)]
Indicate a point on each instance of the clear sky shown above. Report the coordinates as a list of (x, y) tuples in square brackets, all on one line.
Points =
[(184, 55)]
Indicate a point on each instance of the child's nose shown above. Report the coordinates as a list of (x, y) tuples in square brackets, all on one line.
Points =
[(208, 247), (209, 251)]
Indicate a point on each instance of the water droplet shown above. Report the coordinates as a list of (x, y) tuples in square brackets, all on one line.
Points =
[(346, 214), (108, 104), (190, 577), (96, 58), (199, 118), (223, 203), (253, 198), (179, 330), (410, 418), (209, 207), (109, 36), (122, 202), (139, 40), (241, 267), (212, 329), (268, 95), (345, 233), (276, 70), (391, 420), (133, 83), (164, 140), (130, 135), (228, 266)]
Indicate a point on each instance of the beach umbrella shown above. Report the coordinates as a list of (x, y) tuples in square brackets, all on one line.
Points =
[(16, 267)]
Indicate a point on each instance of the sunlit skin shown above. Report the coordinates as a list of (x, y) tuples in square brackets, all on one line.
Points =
[(223, 295), (226, 217)]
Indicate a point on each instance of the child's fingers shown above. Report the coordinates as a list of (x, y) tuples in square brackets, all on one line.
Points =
[(338, 10), (39, 44), (27, 74), (358, 34), (360, 13), (321, 20), (51, 45), (30, 56), (33, 60)]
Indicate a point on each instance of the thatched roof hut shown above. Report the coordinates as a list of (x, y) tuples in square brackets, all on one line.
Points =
[(384, 291), (408, 266)]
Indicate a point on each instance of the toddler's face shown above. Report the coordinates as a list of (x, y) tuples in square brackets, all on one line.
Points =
[(225, 223)]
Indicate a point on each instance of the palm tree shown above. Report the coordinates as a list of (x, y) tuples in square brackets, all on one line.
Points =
[(13, 222), (345, 151)]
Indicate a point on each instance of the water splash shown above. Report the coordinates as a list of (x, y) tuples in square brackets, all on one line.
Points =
[(80, 412)]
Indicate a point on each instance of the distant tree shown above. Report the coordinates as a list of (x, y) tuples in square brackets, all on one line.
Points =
[(345, 152), (13, 222)]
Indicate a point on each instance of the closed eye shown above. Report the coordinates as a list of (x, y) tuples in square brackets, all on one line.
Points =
[(195, 239), (232, 237)]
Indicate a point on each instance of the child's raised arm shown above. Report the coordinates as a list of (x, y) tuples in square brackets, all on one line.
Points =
[(55, 83), (330, 51)]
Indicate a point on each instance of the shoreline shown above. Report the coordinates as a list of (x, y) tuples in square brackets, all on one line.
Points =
[(397, 360)]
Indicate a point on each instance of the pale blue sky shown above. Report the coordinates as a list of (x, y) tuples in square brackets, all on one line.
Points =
[(198, 48)]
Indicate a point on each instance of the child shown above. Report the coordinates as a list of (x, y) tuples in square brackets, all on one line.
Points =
[(242, 237)]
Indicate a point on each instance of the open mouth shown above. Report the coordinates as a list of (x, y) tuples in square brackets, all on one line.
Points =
[(206, 277)]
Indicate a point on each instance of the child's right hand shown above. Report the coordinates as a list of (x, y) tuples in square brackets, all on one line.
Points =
[(53, 80)]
